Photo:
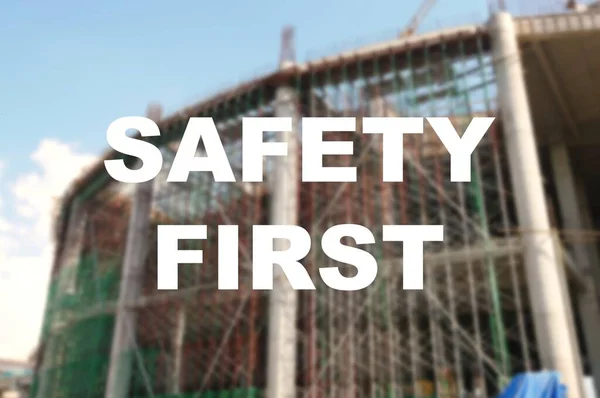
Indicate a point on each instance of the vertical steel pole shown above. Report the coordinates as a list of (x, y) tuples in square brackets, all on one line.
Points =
[(548, 301), (136, 249)]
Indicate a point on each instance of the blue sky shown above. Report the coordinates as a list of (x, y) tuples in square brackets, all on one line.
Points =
[(69, 68)]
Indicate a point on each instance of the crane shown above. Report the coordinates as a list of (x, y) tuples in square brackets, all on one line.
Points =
[(414, 23)]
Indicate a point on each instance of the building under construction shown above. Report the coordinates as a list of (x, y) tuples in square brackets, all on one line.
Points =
[(513, 287)]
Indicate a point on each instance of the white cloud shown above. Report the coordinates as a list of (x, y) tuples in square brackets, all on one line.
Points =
[(37, 193), (26, 248), (23, 287)]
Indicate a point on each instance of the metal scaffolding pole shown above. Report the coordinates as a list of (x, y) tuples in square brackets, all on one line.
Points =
[(119, 371), (548, 301)]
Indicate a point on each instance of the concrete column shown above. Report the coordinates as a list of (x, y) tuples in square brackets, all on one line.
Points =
[(548, 302), (585, 254), (136, 249), (281, 366)]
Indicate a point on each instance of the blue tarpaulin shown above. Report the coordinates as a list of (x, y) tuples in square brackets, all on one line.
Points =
[(535, 385)]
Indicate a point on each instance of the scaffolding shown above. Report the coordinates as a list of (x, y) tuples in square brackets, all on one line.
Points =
[(469, 330)]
